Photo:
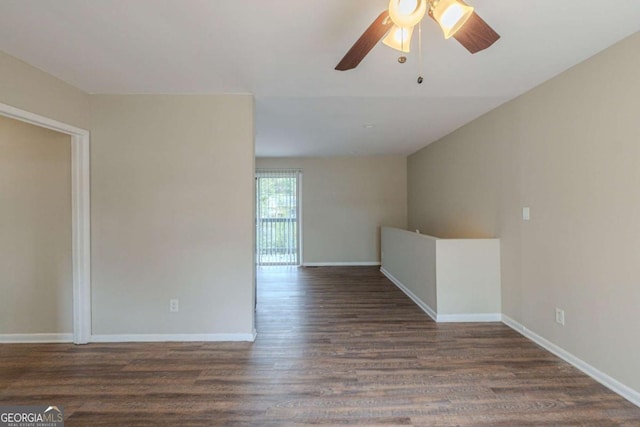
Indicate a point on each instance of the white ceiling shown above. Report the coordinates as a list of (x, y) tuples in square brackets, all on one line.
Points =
[(284, 52)]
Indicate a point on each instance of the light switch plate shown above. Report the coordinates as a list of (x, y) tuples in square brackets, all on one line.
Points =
[(526, 213)]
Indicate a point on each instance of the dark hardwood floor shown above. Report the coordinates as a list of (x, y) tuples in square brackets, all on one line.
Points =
[(336, 346)]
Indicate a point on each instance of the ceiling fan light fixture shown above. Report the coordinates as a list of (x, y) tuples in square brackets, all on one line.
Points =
[(451, 15), (399, 38), (407, 13)]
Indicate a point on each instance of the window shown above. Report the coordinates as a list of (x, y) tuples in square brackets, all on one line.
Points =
[(278, 217)]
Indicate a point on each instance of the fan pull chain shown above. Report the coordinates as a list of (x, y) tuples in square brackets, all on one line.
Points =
[(402, 58), (420, 79)]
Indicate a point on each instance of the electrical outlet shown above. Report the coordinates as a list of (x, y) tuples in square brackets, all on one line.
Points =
[(526, 213), (174, 306), (560, 316)]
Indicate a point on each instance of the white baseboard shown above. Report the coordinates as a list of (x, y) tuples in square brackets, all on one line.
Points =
[(611, 383), (431, 312), (472, 317), (173, 338), (35, 338), (341, 264)]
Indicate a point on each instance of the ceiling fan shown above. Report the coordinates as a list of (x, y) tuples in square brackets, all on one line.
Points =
[(455, 17)]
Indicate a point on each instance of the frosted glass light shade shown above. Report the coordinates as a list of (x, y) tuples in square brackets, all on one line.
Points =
[(451, 15), (399, 38), (407, 13)]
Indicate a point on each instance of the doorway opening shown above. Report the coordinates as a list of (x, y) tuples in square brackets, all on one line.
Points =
[(80, 221), (278, 225)]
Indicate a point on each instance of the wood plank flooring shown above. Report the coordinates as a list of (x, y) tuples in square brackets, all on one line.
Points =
[(336, 346)]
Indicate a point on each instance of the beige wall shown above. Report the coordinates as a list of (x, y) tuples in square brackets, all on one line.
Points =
[(570, 150), (410, 258), (35, 230), (345, 201), (453, 280), (25, 87), (172, 214), (172, 202)]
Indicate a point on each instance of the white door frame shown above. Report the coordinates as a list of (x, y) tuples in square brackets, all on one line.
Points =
[(80, 215), (299, 213)]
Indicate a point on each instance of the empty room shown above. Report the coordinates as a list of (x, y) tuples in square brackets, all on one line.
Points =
[(319, 212)]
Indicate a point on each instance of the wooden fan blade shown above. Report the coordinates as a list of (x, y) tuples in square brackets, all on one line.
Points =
[(476, 34), (366, 42)]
